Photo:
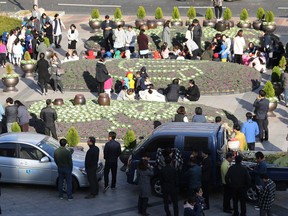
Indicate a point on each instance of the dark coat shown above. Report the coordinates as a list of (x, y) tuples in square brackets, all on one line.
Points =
[(197, 32), (193, 177), (173, 92), (179, 117), (142, 41), (104, 24), (92, 157), (238, 177), (193, 93), (112, 151), (144, 177), (169, 179), (48, 115), (42, 68), (101, 72), (206, 170), (261, 108)]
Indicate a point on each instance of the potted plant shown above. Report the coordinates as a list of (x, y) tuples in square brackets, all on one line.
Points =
[(28, 65), (209, 20), (118, 18), (244, 22), (49, 51), (260, 16), (270, 95), (269, 25), (95, 21), (191, 14), (159, 17), (129, 144), (227, 17), (140, 21), (10, 79), (176, 17)]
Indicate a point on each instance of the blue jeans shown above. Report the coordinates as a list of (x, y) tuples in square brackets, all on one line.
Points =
[(65, 173)]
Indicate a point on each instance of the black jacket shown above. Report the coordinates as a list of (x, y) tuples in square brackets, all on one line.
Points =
[(92, 157), (197, 32), (104, 24), (169, 179), (48, 115), (261, 108), (193, 93), (206, 170), (42, 69), (238, 177), (112, 151), (172, 92), (101, 72)]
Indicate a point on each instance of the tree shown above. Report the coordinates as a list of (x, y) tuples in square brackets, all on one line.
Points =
[(227, 14), (141, 13), (209, 14), (260, 13), (176, 14), (129, 139), (191, 13), (158, 13), (244, 14)]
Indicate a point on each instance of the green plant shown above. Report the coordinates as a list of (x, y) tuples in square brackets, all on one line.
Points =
[(158, 13), (47, 42), (9, 72), (141, 13), (72, 137), (27, 56), (8, 23), (129, 139), (95, 13), (227, 14), (191, 13), (260, 13), (118, 14), (209, 14), (15, 127), (244, 14), (282, 62), (27, 59), (270, 92), (176, 14), (276, 74), (269, 16)]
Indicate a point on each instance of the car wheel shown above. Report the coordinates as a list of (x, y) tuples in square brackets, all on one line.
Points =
[(156, 187), (252, 195), (75, 185)]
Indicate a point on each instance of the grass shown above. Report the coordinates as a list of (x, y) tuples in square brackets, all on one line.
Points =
[(8, 23)]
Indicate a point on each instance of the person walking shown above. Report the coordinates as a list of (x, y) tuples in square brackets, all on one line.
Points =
[(142, 41), (2, 113), (267, 196), (49, 116), (55, 73), (91, 164), (57, 28), (43, 74), (63, 160), (217, 4), (238, 47), (107, 27), (23, 116), (101, 74), (261, 105), (10, 113), (251, 130), (144, 173), (166, 34), (169, 185), (72, 36), (239, 180), (112, 151)]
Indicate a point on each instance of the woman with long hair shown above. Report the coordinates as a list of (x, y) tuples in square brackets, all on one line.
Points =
[(166, 34)]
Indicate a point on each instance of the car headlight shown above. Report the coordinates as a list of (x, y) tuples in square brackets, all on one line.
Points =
[(82, 170)]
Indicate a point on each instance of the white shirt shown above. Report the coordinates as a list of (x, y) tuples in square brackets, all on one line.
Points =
[(130, 37), (120, 38), (72, 36), (239, 43)]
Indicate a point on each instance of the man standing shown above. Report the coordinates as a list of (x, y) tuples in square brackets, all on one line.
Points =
[(107, 26), (169, 183), (251, 130), (261, 105), (63, 159), (1, 117), (197, 32), (49, 116), (227, 193), (112, 151), (91, 164), (239, 180), (57, 28), (238, 47), (267, 196), (101, 74)]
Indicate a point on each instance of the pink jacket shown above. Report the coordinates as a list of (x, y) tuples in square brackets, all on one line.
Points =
[(108, 84), (3, 48)]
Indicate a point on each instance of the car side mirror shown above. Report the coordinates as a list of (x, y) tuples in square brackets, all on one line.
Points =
[(44, 159)]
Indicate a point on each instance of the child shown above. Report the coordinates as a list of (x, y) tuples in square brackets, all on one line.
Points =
[(189, 207), (200, 204), (108, 86)]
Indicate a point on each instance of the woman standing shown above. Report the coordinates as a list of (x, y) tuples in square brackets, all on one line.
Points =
[(43, 74), (120, 38), (17, 52), (72, 36), (23, 116), (217, 4), (166, 34), (238, 47), (142, 41), (101, 74), (285, 85), (56, 76), (3, 52), (144, 174)]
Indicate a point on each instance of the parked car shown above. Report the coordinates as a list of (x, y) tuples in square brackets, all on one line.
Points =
[(28, 158)]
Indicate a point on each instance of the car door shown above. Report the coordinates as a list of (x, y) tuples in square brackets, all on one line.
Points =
[(31, 169), (8, 162)]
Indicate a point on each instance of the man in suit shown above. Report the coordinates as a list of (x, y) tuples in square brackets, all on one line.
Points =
[(49, 116), (107, 27), (261, 105)]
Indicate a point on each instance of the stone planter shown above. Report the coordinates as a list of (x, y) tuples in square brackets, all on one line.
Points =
[(95, 24), (151, 24), (210, 23), (220, 26), (103, 99), (144, 27), (231, 23), (10, 84), (49, 53), (272, 107), (79, 99), (244, 25), (269, 28), (140, 22), (28, 69), (58, 102), (160, 22), (124, 156), (257, 24), (119, 22), (177, 23)]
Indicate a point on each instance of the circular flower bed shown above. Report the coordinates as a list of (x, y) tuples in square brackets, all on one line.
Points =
[(94, 120), (211, 77)]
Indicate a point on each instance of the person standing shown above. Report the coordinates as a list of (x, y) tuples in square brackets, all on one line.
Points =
[(130, 37), (101, 74), (169, 185), (240, 137), (197, 32), (226, 193), (41, 48), (193, 176), (2, 113), (48, 30), (267, 196), (284, 78), (72, 36), (120, 38), (142, 41), (35, 12), (239, 180), (217, 4), (10, 113), (166, 34), (238, 47), (23, 116), (206, 177), (63, 160), (107, 27), (250, 130), (3, 52), (112, 151), (43, 73), (57, 28), (55, 73), (192, 93), (91, 164), (261, 105), (49, 116), (43, 20)]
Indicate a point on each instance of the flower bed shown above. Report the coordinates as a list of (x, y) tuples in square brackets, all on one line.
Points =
[(211, 77), (94, 120)]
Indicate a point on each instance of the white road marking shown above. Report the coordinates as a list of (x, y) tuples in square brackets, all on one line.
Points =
[(199, 7), (88, 5), (2, 2)]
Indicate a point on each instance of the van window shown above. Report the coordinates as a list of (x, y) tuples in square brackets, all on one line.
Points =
[(196, 143), (160, 142)]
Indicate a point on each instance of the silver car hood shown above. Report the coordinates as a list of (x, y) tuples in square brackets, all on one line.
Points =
[(78, 158)]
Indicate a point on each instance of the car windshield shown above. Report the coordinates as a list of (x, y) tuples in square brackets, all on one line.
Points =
[(49, 145)]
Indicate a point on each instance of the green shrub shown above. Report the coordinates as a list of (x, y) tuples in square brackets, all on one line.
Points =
[(27, 56), (15, 127), (158, 13), (209, 14), (282, 62), (191, 13), (118, 14), (268, 88), (276, 74), (260, 13), (72, 137), (269, 16), (227, 14), (8, 23), (47, 42), (141, 13), (95, 13), (244, 14), (129, 139), (175, 13)]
